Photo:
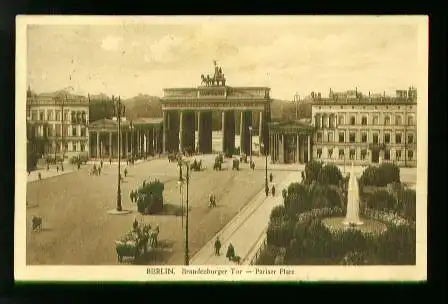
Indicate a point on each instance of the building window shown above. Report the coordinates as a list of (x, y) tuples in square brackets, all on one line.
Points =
[(410, 120), (34, 115), (73, 117), (83, 131), (317, 121), (319, 153), (341, 137), (387, 120), (84, 117), (387, 138), (324, 121), (83, 147), (330, 153), (330, 136), (332, 121), (58, 115), (375, 138), (364, 137), (58, 129), (66, 147), (50, 115), (398, 138), (410, 138), (341, 154), (398, 154), (375, 120), (74, 146), (41, 115), (74, 131), (387, 154), (352, 120), (364, 120), (352, 153), (410, 155), (66, 115), (352, 137), (398, 120), (363, 154), (65, 130), (319, 137), (340, 120)]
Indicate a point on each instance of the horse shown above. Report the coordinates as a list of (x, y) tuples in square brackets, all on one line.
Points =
[(153, 236), (36, 223)]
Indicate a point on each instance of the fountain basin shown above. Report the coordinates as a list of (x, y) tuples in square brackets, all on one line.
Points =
[(335, 224)]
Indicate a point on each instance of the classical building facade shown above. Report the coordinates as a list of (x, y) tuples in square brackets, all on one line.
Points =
[(290, 141), (365, 129), (188, 109), (62, 120), (139, 138)]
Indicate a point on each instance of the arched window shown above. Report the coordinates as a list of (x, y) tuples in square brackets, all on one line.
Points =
[(375, 120), (387, 120), (352, 120), (317, 120), (364, 120), (398, 120), (73, 117), (332, 121), (340, 120), (410, 120), (78, 117)]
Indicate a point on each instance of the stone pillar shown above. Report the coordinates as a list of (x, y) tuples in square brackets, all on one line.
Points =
[(298, 149), (127, 144), (164, 132), (271, 149), (223, 130), (260, 132), (98, 155), (241, 132), (181, 131), (282, 148), (198, 141), (110, 144), (309, 148)]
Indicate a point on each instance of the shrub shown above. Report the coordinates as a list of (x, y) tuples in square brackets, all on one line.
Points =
[(280, 233), (330, 175), (278, 213), (407, 202), (381, 200), (355, 258), (397, 246), (385, 174), (387, 217), (312, 170), (267, 256), (296, 199)]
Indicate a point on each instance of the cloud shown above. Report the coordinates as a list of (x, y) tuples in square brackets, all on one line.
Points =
[(111, 43)]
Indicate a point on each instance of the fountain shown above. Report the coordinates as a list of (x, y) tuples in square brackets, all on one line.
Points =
[(352, 216)]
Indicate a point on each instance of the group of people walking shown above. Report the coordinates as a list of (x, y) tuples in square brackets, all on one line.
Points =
[(230, 254), (271, 178)]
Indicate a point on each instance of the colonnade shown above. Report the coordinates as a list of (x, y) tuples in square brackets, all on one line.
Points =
[(139, 142), (179, 130), (289, 148)]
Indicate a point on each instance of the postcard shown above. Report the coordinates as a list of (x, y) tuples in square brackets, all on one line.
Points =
[(221, 148)]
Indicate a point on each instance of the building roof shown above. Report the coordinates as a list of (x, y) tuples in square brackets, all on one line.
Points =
[(292, 126), (106, 123)]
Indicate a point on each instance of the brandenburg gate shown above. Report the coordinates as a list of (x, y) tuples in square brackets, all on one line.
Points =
[(188, 109)]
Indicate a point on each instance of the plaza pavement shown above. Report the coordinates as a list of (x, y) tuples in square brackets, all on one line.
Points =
[(246, 228)]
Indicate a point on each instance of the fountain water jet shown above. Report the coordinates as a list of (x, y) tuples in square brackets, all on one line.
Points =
[(352, 216)]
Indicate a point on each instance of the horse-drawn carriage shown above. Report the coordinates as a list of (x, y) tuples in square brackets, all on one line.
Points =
[(36, 223), (136, 242), (196, 165)]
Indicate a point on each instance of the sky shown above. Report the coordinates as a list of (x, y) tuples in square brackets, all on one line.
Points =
[(291, 57)]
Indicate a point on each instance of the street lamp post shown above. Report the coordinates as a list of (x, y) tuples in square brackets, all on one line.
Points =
[(265, 165), (119, 110), (187, 181), (250, 148)]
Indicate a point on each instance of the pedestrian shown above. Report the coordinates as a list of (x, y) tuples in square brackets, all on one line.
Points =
[(48, 167), (135, 224), (271, 177), (29, 171), (230, 252), (266, 189), (273, 190), (57, 169), (211, 200), (79, 166), (99, 171), (217, 246), (110, 161), (131, 196), (125, 172), (39, 175), (101, 163), (62, 167)]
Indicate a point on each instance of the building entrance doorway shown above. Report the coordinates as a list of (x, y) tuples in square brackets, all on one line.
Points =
[(375, 156)]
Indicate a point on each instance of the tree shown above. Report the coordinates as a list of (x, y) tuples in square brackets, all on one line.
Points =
[(330, 175), (312, 170)]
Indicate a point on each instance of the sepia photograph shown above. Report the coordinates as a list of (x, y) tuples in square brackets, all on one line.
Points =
[(229, 148)]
